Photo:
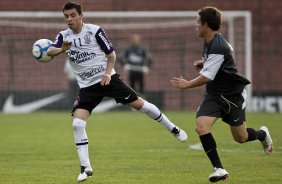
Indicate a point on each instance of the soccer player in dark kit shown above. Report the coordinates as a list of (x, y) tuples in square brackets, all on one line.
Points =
[(225, 95)]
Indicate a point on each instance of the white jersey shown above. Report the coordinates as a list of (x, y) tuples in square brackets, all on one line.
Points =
[(87, 55)]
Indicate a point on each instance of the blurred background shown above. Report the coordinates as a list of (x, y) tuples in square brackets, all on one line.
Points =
[(27, 85)]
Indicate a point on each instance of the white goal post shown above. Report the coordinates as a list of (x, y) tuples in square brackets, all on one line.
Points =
[(174, 19)]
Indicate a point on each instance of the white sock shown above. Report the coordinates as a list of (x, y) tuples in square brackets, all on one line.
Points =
[(81, 141), (153, 112)]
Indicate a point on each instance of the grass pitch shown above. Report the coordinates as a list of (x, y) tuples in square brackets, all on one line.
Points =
[(130, 148)]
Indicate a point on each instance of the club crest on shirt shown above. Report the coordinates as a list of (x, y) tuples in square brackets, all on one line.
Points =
[(87, 37)]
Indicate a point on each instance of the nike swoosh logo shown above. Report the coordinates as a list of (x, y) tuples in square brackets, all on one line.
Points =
[(236, 119), (10, 107), (127, 97)]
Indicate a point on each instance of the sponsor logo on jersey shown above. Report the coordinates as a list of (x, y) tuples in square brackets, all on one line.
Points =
[(79, 57), (92, 72)]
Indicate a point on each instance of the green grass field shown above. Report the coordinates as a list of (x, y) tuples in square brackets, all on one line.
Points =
[(130, 148)]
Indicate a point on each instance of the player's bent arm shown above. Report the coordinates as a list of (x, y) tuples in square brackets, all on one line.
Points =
[(110, 65), (111, 62)]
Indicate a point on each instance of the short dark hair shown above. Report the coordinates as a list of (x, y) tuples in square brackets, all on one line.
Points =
[(73, 5), (211, 16)]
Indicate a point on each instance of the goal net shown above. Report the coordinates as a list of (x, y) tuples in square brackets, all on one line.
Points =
[(169, 36)]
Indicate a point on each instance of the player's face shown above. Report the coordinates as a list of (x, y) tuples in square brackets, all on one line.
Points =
[(73, 20), (199, 27)]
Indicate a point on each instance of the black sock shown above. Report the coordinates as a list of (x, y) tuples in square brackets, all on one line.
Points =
[(261, 135), (209, 146), (254, 135), (251, 134)]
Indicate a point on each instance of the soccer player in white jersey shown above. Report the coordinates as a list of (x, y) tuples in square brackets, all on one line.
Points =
[(92, 58), (225, 94)]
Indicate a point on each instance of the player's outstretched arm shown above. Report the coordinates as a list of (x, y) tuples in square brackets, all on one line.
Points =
[(54, 51), (182, 83)]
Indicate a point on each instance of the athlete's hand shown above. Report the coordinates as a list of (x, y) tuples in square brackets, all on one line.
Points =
[(198, 65), (106, 79), (54, 51), (66, 45), (179, 82)]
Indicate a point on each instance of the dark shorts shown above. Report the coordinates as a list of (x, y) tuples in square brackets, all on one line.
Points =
[(91, 96), (230, 108)]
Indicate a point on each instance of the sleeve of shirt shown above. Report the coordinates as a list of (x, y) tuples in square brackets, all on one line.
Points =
[(103, 41), (212, 65), (58, 41)]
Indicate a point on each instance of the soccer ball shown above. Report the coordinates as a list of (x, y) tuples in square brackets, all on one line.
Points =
[(39, 50)]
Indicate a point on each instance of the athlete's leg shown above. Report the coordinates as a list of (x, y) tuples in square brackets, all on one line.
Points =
[(242, 134), (153, 112), (203, 128), (80, 136), (81, 140), (124, 94)]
